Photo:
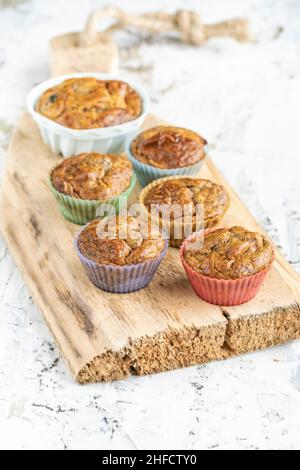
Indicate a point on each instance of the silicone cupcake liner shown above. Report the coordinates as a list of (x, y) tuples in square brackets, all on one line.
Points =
[(67, 141), (227, 292), (120, 279), (147, 173), (176, 243), (80, 211)]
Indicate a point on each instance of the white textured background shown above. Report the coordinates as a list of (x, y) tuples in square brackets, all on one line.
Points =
[(245, 99)]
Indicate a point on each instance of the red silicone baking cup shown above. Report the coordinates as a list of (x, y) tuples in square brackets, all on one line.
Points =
[(227, 292)]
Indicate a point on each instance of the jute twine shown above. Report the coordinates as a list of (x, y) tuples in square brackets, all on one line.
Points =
[(187, 24)]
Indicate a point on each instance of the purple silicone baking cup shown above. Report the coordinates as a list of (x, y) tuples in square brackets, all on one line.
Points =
[(120, 279)]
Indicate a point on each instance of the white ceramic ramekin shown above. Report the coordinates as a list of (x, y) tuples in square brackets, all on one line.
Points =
[(70, 142)]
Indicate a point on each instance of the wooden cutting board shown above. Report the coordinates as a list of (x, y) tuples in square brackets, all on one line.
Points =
[(104, 336)]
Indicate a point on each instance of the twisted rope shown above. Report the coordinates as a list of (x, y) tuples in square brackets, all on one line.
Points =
[(186, 23)]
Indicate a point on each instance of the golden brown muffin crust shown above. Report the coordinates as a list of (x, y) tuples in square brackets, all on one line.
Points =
[(92, 176), (191, 191), (87, 103), (135, 248), (231, 253), (168, 147)]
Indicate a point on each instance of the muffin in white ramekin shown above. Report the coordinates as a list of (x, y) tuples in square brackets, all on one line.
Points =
[(68, 141)]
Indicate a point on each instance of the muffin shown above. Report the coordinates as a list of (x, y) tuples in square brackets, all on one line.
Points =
[(165, 151), (229, 267), (88, 103), (206, 202), (120, 254), (83, 183)]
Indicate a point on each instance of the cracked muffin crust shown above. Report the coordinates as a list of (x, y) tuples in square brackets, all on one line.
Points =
[(87, 103), (231, 253), (190, 191), (168, 147), (129, 244), (92, 176)]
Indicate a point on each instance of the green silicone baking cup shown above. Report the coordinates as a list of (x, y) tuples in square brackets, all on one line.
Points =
[(80, 211)]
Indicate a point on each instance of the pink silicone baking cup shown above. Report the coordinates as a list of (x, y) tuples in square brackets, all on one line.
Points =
[(227, 292)]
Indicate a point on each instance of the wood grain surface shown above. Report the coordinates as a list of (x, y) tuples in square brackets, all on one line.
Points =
[(104, 336)]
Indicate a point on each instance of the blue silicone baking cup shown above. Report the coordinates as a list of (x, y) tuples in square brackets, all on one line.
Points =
[(120, 279), (147, 173)]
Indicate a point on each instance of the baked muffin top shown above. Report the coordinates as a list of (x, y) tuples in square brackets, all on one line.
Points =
[(168, 147), (128, 244), (190, 191), (92, 176), (230, 253), (87, 103)]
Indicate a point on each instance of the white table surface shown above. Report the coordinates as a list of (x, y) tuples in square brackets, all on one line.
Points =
[(245, 99)]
